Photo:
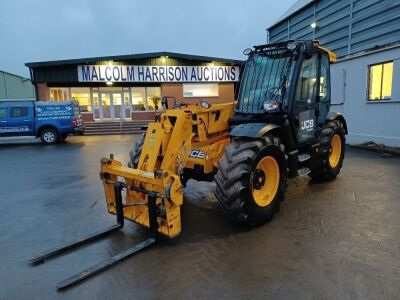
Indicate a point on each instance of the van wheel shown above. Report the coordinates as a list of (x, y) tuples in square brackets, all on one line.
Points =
[(49, 136)]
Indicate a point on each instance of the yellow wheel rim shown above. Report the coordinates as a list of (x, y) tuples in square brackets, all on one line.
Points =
[(265, 181), (336, 151)]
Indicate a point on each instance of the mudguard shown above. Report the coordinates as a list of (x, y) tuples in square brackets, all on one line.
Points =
[(337, 116), (252, 130)]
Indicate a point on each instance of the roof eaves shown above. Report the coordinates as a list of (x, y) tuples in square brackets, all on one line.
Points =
[(12, 74), (130, 57)]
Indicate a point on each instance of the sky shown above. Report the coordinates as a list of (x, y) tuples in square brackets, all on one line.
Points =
[(41, 30)]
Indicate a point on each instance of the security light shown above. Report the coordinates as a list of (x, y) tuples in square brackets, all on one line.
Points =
[(313, 25)]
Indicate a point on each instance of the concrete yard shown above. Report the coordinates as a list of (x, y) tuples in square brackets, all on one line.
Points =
[(338, 240)]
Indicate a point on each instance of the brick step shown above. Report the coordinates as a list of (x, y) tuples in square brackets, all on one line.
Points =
[(117, 121), (100, 132), (114, 127), (115, 124), (113, 133)]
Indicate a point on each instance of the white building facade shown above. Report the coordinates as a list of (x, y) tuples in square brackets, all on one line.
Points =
[(365, 35)]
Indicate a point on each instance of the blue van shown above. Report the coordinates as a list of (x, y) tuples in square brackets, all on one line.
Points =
[(51, 121)]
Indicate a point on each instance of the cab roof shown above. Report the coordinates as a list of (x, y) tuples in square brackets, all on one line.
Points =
[(283, 45), (331, 54)]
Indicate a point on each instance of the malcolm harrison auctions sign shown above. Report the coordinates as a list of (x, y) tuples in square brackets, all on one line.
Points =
[(115, 73)]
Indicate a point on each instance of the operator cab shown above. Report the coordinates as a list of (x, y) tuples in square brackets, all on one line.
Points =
[(286, 83)]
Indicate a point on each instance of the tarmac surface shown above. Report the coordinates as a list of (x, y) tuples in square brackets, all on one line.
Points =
[(338, 240)]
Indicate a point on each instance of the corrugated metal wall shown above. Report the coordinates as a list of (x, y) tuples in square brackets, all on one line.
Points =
[(345, 26), (15, 87)]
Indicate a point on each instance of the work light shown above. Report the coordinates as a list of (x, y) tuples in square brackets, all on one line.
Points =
[(271, 105)]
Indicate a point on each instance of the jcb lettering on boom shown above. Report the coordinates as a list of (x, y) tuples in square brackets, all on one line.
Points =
[(197, 154)]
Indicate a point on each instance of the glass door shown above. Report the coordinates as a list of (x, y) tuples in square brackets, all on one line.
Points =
[(117, 110), (97, 112), (105, 99), (127, 105)]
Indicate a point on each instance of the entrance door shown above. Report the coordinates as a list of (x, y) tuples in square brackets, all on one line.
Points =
[(98, 113), (305, 104), (127, 104), (118, 111), (105, 99)]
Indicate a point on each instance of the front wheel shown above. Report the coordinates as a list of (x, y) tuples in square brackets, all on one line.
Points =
[(251, 179), (332, 150), (49, 136), (135, 152)]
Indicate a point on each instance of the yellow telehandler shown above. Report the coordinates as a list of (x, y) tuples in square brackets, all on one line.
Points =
[(279, 127)]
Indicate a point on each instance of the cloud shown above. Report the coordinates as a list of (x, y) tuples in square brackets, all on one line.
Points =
[(48, 30)]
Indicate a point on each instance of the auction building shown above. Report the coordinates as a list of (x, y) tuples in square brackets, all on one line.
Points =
[(131, 87), (365, 35)]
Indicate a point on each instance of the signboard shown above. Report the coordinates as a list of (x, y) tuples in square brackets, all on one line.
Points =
[(54, 112), (115, 73)]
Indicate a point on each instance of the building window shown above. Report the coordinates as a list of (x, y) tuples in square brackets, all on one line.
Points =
[(200, 90), (138, 98), (153, 98), (82, 95), (380, 81), (59, 94), (18, 112)]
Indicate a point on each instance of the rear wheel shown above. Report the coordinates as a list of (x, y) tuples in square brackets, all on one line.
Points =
[(251, 179), (135, 152), (49, 136), (332, 150)]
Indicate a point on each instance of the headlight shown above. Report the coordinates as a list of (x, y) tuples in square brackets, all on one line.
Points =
[(291, 46), (271, 105)]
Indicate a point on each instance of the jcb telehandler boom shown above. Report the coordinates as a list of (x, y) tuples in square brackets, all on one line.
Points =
[(279, 127)]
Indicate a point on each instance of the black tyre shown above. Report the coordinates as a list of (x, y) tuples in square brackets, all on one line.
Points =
[(49, 136), (251, 179), (135, 152), (332, 150)]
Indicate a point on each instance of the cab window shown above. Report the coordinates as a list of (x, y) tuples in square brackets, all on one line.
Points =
[(307, 84), (324, 79), (3, 113), (18, 112)]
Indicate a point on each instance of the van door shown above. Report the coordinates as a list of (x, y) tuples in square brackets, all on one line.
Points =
[(20, 121)]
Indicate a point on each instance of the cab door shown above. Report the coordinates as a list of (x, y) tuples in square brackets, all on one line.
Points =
[(305, 104)]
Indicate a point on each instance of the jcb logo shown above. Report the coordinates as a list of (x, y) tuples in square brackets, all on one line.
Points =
[(197, 154), (307, 125)]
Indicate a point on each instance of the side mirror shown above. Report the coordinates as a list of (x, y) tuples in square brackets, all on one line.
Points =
[(308, 49)]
